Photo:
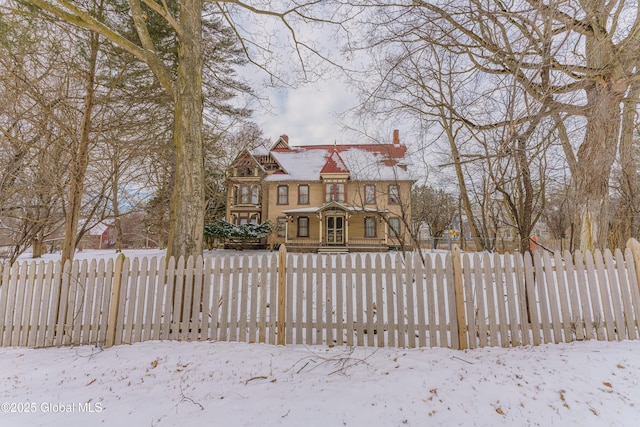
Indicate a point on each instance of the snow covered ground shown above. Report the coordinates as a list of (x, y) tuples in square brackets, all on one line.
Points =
[(235, 384)]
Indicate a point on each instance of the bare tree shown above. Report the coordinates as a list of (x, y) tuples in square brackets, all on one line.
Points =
[(435, 208), (576, 61)]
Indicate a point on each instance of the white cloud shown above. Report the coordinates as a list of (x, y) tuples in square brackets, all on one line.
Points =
[(311, 114)]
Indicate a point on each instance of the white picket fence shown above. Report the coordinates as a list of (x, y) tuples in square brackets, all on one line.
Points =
[(456, 300)]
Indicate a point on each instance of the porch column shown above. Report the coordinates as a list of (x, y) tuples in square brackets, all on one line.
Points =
[(286, 230), (346, 228), (386, 231), (320, 229)]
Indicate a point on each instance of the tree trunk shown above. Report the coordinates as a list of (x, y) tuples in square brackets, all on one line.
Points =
[(80, 160), (187, 204), (593, 170), (597, 153)]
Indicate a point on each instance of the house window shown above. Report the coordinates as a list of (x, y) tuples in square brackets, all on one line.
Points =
[(394, 227), (369, 227), (394, 194), (244, 171), (334, 192), (283, 195), (303, 195), (303, 226), (248, 194), (370, 194), (282, 226)]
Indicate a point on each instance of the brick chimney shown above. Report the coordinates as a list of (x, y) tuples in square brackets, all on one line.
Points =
[(396, 137), (285, 138)]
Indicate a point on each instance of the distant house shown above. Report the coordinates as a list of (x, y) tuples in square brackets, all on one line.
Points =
[(324, 197), (101, 236)]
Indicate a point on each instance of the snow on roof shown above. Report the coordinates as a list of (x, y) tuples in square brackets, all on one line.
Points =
[(364, 162)]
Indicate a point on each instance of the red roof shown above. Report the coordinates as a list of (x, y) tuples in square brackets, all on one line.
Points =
[(334, 164)]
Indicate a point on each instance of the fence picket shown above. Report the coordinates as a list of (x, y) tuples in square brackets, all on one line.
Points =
[(215, 301), (587, 314), (318, 300), (452, 324), (532, 305), (5, 307), (369, 300), (441, 304), (86, 302), (37, 304), (152, 291), (309, 298), (603, 289), (348, 299), (598, 319), (410, 306), (565, 312), (328, 302), (17, 322), (359, 303), (225, 285), (627, 306), (262, 306), (140, 304), (62, 306), (552, 295), (99, 307), (522, 299), (472, 328), (614, 290), (491, 300), (195, 332), (132, 297), (511, 302), (420, 301), (339, 286), (542, 301), (205, 301), (388, 273), (185, 323), (169, 286), (575, 321), (400, 287), (273, 282), (245, 282), (479, 298), (380, 315), (633, 286), (299, 299), (501, 301), (46, 303), (253, 299)]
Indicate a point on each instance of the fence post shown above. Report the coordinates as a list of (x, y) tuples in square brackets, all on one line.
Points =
[(114, 303), (456, 261), (282, 292), (634, 245)]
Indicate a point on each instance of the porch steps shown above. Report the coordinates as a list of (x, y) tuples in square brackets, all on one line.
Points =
[(333, 250)]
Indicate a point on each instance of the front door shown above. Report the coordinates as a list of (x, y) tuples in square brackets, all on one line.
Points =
[(335, 230)]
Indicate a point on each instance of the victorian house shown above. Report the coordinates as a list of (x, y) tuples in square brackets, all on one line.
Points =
[(325, 197)]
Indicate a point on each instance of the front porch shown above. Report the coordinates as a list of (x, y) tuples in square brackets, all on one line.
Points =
[(337, 228)]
